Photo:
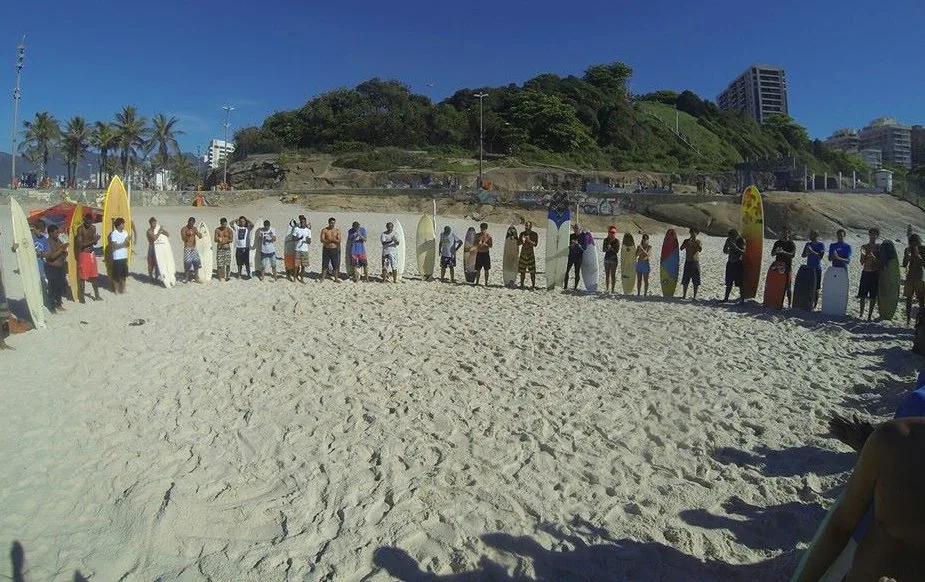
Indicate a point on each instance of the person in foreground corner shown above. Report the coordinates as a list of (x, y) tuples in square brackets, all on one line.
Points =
[(889, 476)]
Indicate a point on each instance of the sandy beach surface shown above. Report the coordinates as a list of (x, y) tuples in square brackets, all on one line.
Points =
[(424, 431)]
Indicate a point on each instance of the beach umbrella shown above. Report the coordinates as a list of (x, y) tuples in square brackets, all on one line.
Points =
[(60, 214)]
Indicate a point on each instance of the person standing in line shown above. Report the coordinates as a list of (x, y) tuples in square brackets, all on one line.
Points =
[(783, 251), (56, 269), (390, 244), (692, 248), (86, 238), (528, 240), (840, 251), (267, 238), (242, 236), (118, 253), (576, 250), (483, 244), (154, 230), (223, 238), (449, 246), (611, 248), (643, 265), (302, 236), (191, 260), (330, 251), (356, 238), (41, 245), (734, 248), (914, 260), (870, 272), (813, 252)]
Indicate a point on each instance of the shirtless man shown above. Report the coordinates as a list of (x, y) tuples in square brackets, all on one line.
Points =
[(191, 260), (330, 251), (889, 476), (85, 238), (914, 259), (224, 236), (870, 272), (483, 244), (691, 247), (528, 240), (154, 231)]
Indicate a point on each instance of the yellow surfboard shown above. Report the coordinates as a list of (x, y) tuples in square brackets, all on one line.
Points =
[(115, 205), (76, 220)]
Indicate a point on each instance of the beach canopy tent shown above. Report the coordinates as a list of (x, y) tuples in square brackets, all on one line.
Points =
[(60, 214)]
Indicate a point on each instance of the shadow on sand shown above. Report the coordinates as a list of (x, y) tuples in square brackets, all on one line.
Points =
[(18, 561), (573, 558)]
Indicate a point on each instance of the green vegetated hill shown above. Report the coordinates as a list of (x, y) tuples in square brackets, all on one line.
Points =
[(586, 122)]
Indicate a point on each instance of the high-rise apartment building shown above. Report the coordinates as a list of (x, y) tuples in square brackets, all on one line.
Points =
[(217, 151), (893, 139), (918, 146), (760, 91), (846, 140)]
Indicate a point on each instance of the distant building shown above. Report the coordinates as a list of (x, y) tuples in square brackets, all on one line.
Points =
[(217, 151), (873, 158), (883, 180), (893, 139), (845, 140), (760, 91), (918, 146)]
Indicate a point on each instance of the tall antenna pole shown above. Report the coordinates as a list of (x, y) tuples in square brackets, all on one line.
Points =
[(228, 109), (17, 94), (480, 97)]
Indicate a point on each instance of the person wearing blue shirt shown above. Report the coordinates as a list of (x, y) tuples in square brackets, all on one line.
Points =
[(813, 251), (356, 239), (840, 251)]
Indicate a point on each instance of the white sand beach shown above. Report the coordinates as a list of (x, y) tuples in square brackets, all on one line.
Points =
[(424, 431)]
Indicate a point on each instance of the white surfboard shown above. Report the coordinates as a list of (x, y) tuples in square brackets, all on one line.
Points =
[(510, 262), (400, 251), (556, 252), (255, 245), (426, 241), (206, 255), (835, 291), (589, 267), (28, 265), (163, 256)]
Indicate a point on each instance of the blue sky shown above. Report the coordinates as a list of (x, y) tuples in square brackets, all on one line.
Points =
[(847, 61)]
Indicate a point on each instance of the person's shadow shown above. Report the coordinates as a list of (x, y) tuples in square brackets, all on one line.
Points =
[(18, 560), (609, 559)]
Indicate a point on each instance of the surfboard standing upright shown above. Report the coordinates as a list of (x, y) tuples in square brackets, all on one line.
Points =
[(163, 255), (427, 247), (28, 265), (400, 252), (835, 291), (115, 205), (888, 283), (589, 264), (204, 248), (752, 228), (510, 262), (628, 264), (804, 288), (558, 224), (775, 285), (670, 263), (76, 220)]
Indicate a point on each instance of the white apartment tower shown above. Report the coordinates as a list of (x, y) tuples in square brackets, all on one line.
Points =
[(760, 91), (892, 138), (216, 153)]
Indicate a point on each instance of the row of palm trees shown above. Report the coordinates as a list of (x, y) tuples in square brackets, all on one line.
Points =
[(129, 136)]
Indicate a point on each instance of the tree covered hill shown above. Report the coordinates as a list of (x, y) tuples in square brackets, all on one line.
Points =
[(587, 122)]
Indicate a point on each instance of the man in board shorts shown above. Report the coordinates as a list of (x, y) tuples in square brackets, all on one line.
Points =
[(691, 247), (870, 272), (449, 246), (528, 240), (330, 250), (302, 236), (483, 244), (191, 260), (242, 233), (223, 237), (814, 251), (356, 238), (389, 253), (85, 239)]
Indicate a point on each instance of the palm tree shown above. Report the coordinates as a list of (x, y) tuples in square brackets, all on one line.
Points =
[(75, 144), (42, 134), (164, 140), (132, 133), (104, 139)]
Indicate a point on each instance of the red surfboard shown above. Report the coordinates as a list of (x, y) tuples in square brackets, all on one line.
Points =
[(775, 285)]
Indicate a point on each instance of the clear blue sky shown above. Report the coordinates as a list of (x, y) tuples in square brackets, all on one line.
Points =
[(847, 61)]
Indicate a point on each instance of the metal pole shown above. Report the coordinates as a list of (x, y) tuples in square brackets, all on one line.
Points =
[(20, 56), (228, 109), (480, 97)]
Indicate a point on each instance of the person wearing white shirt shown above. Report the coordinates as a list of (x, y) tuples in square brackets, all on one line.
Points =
[(302, 235)]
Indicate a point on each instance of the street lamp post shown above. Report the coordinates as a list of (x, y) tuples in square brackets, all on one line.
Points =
[(20, 56), (228, 109), (480, 97)]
